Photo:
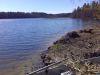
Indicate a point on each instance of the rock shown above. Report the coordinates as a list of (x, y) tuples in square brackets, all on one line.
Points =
[(43, 56), (65, 39), (81, 31), (46, 59), (91, 55), (73, 34), (86, 31)]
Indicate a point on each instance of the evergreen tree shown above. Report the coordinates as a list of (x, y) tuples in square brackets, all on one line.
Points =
[(88, 11)]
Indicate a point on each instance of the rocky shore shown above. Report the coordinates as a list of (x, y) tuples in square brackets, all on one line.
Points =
[(82, 48)]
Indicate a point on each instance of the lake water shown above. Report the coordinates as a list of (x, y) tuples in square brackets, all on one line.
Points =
[(19, 38)]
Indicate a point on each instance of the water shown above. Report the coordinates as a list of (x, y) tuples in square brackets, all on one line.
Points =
[(19, 38)]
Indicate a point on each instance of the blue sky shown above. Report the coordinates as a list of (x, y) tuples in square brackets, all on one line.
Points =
[(48, 6)]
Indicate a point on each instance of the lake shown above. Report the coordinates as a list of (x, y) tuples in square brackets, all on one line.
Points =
[(20, 38)]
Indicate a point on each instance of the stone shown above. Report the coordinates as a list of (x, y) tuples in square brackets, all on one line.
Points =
[(73, 34)]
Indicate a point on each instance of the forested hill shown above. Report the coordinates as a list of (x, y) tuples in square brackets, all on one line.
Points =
[(88, 11), (6, 15)]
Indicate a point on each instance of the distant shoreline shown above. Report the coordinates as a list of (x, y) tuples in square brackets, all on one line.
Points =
[(18, 15), (36, 18)]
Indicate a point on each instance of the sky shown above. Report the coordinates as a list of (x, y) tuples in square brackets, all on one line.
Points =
[(48, 6)]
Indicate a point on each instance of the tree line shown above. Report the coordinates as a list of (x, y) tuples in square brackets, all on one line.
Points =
[(88, 11), (5, 15)]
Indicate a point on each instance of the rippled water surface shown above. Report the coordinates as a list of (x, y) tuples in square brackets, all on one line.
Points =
[(20, 38)]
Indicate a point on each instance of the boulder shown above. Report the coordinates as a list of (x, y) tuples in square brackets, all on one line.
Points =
[(86, 31), (73, 34)]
